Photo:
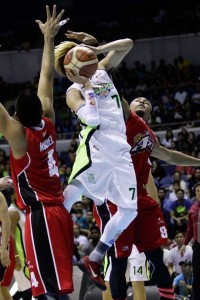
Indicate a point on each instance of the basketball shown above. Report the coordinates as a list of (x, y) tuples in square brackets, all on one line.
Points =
[(82, 59)]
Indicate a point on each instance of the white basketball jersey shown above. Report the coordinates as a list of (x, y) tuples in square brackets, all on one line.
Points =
[(108, 99)]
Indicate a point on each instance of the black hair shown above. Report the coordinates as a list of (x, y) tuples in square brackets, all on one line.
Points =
[(94, 227), (180, 190), (179, 232), (196, 185), (28, 108)]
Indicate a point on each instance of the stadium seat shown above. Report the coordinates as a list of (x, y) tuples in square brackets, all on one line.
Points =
[(93, 293)]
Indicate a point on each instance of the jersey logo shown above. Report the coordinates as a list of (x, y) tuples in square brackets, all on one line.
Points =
[(142, 142), (103, 90)]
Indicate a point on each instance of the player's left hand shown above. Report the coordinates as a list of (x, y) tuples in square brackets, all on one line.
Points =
[(81, 37), (51, 26)]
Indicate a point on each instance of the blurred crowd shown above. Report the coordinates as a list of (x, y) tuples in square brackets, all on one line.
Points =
[(172, 88), (136, 19)]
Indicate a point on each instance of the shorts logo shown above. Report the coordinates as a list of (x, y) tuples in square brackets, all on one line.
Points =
[(91, 178)]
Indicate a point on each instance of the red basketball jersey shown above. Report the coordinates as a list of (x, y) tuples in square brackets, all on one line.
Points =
[(142, 140), (35, 175)]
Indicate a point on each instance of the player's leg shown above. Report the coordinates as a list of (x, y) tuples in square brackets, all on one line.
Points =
[(106, 295), (151, 233), (159, 274), (118, 285), (8, 275), (1, 295), (138, 270), (6, 293), (115, 279), (124, 195), (139, 292)]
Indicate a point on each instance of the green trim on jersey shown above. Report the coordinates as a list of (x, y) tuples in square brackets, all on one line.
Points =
[(83, 160), (21, 250), (106, 264)]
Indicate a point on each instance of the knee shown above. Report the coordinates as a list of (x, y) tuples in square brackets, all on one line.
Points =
[(127, 213)]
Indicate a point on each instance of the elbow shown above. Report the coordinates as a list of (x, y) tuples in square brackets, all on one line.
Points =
[(129, 43)]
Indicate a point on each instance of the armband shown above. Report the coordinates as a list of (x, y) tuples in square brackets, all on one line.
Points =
[(89, 111)]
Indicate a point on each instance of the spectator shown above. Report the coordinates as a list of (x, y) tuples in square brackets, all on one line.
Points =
[(186, 171), (179, 211), (181, 94), (81, 219), (157, 170), (177, 176), (93, 240), (172, 193), (183, 283), (175, 256), (168, 139), (181, 142), (192, 147), (79, 239), (87, 204), (90, 222), (76, 206)]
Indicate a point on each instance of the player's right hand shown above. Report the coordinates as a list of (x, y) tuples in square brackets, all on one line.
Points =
[(74, 77), (5, 260)]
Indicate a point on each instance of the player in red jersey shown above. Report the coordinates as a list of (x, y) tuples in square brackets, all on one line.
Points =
[(34, 168), (148, 231)]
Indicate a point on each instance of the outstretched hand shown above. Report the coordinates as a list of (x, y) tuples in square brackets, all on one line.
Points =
[(83, 37), (51, 26)]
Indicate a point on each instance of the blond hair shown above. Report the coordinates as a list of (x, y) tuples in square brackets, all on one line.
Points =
[(60, 52)]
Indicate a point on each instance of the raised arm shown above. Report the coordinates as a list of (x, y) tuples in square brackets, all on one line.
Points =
[(117, 50), (45, 88)]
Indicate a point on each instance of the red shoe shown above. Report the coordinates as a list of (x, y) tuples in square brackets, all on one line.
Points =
[(92, 270)]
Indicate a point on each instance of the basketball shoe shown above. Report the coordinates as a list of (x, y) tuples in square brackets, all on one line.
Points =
[(92, 270)]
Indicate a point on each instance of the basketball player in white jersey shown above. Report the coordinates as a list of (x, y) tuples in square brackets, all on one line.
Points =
[(103, 158)]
